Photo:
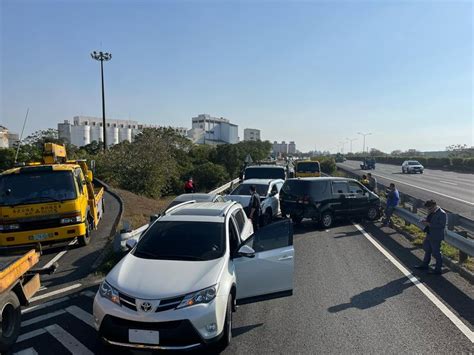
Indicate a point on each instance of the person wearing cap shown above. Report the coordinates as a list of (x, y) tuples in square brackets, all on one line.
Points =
[(189, 186), (435, 226), (393, 198)]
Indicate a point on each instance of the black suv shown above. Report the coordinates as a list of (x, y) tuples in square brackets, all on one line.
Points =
[(325, 198)]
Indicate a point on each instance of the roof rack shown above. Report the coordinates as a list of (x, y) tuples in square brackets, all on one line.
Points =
[(179, 205), (228, 207)]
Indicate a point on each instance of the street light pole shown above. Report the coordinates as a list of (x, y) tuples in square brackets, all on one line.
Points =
[(342, 144), (364, 135), (351, 140), (102, 56)]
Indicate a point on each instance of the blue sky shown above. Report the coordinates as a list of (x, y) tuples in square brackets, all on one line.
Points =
[(314, 72)]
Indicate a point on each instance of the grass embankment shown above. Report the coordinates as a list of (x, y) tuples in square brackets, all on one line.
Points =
[(137, 210)]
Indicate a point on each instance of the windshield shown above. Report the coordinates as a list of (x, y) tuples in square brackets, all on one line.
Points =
[(31, 187), (413, 163), (300, 188), (308, 167), (265, 173), (180, 240), (244, 190)]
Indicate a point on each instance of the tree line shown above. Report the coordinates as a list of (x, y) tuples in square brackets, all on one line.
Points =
[(155, 164)]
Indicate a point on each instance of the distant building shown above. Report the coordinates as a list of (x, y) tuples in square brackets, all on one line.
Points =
[(212, 130), (280, 148), (251, 134), (291, 148), (7, 138), (84, 130)]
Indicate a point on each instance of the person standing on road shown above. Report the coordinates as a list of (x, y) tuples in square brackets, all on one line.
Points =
[(435, 226), (372, 183), (365, 181), (393, 198), (189, 186), (254, 207)]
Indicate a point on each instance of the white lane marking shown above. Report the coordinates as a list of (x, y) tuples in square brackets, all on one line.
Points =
[(29, 351), (422, 188), (69, 342), (59, 255), (42, 288), (90, 294), (44, 305), (449, 183), (81, 314), (42, 318), (446, 311), (56, 292), (30, 335)]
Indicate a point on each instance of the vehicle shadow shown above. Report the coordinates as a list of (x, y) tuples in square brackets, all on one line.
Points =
[(449, 293), (374, 297)]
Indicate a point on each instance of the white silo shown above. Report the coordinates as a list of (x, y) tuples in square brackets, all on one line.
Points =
[(125, 134), (80, 135), (97, 134), (112, 135)]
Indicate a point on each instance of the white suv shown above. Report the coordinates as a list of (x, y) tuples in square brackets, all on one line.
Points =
[(178, 286), (269, 192), (412, 166)]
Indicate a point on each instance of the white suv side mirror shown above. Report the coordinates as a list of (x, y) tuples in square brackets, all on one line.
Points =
[(130, 243), (246, 251)]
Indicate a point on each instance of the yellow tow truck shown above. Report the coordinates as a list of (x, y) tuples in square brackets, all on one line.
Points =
[(48, 202)]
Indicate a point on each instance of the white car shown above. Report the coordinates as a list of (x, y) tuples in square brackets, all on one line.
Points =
[(269, 191), (179, 284), (412, 166)]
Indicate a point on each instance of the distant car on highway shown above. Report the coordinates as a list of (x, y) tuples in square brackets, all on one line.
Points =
[(327, 198), (179, 285), (367, 164), (269, 191), (412, 166), (307, 168), (198, 197)]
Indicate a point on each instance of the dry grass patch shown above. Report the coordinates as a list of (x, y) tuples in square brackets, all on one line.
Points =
[(138, 209)]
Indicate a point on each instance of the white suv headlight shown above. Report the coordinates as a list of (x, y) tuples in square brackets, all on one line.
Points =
[(107, 291), (203, 296)]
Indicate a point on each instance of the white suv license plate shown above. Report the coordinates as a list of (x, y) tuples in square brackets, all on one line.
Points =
[(139, 336)]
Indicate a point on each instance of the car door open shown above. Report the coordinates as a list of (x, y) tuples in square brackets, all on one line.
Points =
[(269, 274)]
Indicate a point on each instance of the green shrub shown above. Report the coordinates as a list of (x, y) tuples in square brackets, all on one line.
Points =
[(438, 163), (208, 176)]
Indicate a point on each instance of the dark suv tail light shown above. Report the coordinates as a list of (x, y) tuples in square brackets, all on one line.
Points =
[(304, 200)]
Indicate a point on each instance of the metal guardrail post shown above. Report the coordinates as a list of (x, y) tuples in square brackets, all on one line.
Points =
[(462, 255)]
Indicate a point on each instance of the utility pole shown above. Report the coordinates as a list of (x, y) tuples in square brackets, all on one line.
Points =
[(364, 135), (342, 144), (102, 56)]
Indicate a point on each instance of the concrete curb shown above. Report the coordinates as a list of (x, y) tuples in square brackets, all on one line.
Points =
[(117, 220)]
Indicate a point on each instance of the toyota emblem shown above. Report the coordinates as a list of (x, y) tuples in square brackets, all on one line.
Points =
[(146, 306)]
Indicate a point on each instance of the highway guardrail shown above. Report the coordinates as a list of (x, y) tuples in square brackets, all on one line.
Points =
[(458, 229)]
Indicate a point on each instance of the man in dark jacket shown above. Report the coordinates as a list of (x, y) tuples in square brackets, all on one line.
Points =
[(435, 226), (254, 207)]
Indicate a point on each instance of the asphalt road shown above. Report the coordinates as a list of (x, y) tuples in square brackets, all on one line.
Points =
[(348, 298), (454, 191), (74, 262)]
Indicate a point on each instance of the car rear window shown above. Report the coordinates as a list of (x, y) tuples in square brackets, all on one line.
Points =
[(296, 188), (265, 173)]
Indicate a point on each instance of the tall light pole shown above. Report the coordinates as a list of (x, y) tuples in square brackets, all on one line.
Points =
[(351, 140), (342, 144), (364, 135), (102, 56)]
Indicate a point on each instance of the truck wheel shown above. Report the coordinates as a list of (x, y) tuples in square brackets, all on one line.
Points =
[(10, 320), (86, 239)]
